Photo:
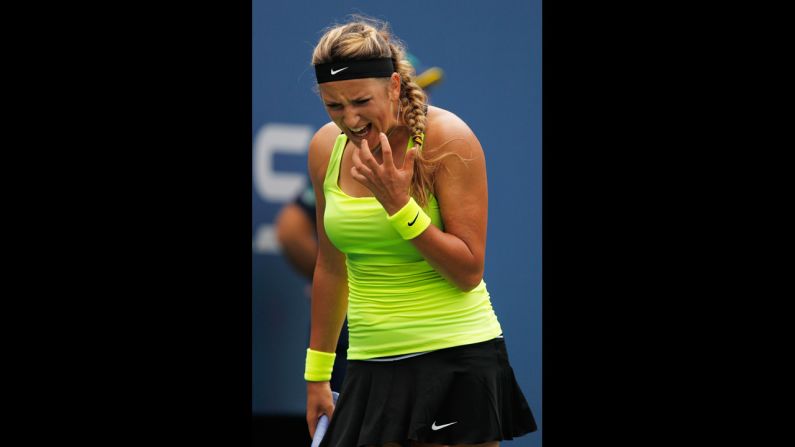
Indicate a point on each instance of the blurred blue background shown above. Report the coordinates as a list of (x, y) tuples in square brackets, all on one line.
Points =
[(490, 53)]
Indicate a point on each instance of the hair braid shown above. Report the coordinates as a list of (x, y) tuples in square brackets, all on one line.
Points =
[(414, 103)]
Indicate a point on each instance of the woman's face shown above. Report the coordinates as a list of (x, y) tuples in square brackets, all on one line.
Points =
[(362, 108)]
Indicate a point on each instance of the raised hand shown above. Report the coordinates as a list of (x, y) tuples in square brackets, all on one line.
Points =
[(388, 183)]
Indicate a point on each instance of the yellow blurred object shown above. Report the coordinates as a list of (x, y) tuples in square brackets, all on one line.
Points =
[(429, 77)]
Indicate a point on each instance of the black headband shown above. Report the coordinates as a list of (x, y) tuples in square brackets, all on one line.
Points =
[(340, 71)]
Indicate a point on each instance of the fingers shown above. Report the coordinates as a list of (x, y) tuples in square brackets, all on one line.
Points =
[(408, 161), (366, 169), (359, 177), (311, 421), (318, 399), (357, 161), (367, 158), (313, 417), (330, 412), (359, 171), (386, 149)]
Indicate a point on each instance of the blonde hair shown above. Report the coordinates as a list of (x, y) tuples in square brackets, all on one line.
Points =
[(367, 38)]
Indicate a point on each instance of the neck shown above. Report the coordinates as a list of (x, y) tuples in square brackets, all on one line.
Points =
[(388, 134)]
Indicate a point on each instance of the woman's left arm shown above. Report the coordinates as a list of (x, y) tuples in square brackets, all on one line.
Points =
[(457, 253)]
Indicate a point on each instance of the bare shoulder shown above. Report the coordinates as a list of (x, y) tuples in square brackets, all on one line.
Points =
[(447, 132), (320, 150)]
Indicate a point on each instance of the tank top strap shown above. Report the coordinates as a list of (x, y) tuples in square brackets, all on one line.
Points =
[(333, 169)]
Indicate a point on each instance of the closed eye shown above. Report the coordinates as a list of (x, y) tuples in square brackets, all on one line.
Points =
[(358, 102)]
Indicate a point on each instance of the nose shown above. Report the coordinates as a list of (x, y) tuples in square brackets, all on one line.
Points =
[(350, 118)]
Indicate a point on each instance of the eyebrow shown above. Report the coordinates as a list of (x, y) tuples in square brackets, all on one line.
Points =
[(360, 98)]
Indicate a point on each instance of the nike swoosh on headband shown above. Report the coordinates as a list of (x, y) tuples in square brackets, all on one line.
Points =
[(333, 72)]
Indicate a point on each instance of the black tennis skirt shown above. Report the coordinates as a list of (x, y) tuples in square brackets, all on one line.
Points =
[(461, 395)]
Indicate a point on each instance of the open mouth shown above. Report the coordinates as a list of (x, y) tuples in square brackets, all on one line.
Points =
[(362, 131)]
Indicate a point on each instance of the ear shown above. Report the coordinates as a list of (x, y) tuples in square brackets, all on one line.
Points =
[(394, 86)]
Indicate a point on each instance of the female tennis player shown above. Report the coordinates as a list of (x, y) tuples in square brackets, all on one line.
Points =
[(402, 203)]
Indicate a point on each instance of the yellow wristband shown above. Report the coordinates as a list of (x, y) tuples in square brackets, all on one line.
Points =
[(410, 221), (318, 365)]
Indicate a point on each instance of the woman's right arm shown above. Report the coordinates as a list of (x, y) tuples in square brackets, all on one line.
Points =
[(330, 281)]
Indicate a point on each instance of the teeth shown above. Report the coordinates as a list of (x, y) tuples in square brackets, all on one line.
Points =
[(358, 130)]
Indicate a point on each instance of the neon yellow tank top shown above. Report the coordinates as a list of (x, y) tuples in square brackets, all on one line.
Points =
[(397, 302)]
